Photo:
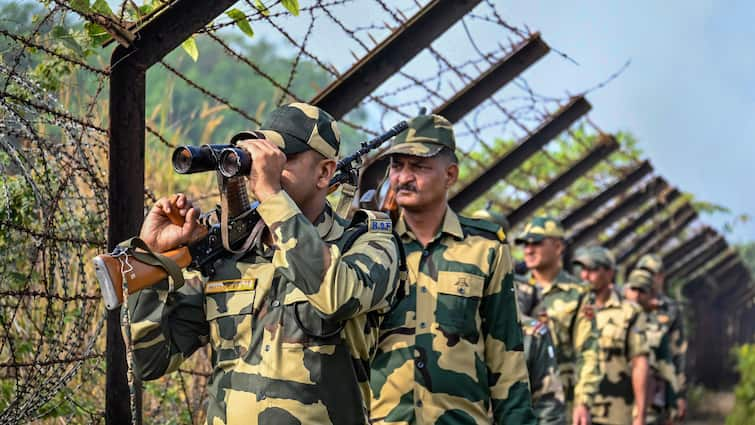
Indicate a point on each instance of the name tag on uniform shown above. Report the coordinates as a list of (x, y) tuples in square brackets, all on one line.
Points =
[(220, 286)]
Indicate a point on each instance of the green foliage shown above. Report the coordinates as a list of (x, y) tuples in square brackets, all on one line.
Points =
[(747, 252), (744, 407), (241, 21)]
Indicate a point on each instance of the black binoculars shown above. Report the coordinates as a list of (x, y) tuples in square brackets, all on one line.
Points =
[(230, 160)]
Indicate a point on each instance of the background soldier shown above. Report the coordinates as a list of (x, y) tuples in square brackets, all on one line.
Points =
[(451, 351), (671, 316), (292, 323), (622, 340), (662, 383), (548, 401), (564, 301)]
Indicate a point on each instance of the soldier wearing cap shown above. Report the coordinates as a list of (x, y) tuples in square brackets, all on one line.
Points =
[(451, 351), (622, 340), (662, 384), (548, 400), (671, 316), (293, 321), (565, 303)]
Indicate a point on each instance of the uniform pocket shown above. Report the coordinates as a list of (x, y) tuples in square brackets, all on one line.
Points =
[(304, 326), (458, 302), (228, 309)]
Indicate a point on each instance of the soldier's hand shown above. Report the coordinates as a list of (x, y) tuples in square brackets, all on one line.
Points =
[(581, 415), (638, 420), (681, 407), (170, 223), (267, 166)]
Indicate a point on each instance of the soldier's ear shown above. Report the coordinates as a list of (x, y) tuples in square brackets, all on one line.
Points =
[(324, 171), (452, 174)]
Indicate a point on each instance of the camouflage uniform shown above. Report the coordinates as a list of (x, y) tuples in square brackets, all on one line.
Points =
[(622, 337), (662, 385), (291, 333), (548, 399), (451, 351), (567, 304), (670, 314), (622, 326)]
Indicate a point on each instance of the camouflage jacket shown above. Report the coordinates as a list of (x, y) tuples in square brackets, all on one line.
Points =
[(547, 389), (451, 351), (622, 326), (670, 314), (567, 304), (663, 374), (291, 331)]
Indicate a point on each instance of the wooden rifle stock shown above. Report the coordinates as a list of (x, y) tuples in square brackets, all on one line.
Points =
[(108, 270)]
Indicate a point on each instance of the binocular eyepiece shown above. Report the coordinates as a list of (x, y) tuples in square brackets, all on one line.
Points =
[(230, 160)]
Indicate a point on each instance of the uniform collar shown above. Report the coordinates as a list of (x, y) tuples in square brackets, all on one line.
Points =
[(451, 226), (561, 278), (614, 300), (329, 226)]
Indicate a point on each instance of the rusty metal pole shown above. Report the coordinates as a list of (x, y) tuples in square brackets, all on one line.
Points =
[(126, 162), (534, 141), (654, 209), (126, 207), (605, 147)]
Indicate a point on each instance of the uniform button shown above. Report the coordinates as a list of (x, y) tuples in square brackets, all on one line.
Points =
[(276, 303), (461, 290), (419, 403), (422, 325), (420, 364), (424, 289), (267, 347), (425, 253)]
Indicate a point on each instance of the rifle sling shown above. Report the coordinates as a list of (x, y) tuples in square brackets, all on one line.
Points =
[(147, 256)]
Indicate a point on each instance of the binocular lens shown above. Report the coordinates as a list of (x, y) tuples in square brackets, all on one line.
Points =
[(182, 160), (234, 162), (196, 159)]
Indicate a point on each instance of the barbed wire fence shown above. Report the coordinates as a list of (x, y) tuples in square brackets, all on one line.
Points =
[(53, 205)]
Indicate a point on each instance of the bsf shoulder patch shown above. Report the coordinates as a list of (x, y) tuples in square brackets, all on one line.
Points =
[(382, 225), (221, 286)]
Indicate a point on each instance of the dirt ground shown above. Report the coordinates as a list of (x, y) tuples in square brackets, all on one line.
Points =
[(712, 410)]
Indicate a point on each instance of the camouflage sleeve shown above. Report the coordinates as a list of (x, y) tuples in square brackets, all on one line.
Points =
[(547, 389), (678, 346), (167, 328), (339, 285), (637, 341), (665, 364), (587, 369), (504, 349)]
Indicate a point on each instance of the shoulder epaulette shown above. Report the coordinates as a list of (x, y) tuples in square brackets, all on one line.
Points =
[(485, 226), (376, 221)]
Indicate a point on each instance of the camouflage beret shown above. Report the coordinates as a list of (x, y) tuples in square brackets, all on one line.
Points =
[(593, 257), (425, 137), (651, 262), (493, 217), (297, 127), (539, 228), (640, 279)]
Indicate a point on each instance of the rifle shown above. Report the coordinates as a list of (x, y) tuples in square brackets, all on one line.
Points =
[(231, 227)]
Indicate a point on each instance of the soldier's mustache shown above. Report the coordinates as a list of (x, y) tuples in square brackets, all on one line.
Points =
[(407, 187)]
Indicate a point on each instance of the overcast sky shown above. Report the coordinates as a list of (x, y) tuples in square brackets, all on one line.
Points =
[(688, 95)]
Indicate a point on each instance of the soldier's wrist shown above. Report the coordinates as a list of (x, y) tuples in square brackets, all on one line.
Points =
[(277, 208)]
